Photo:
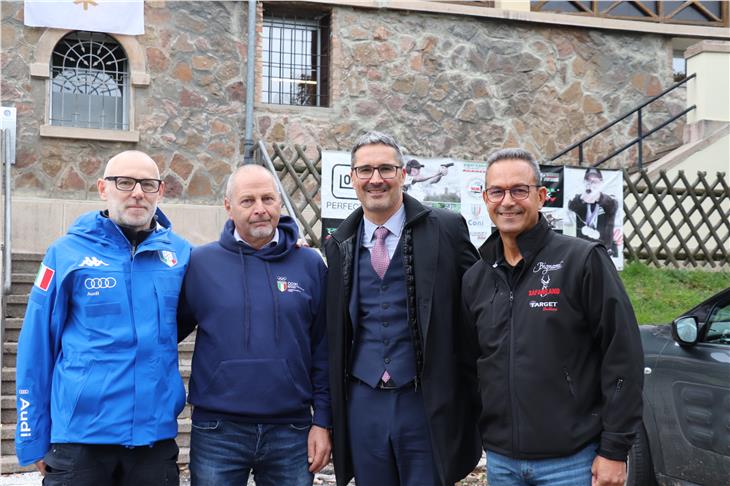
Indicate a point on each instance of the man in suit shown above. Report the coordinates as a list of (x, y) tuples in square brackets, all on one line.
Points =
[(404, 395)]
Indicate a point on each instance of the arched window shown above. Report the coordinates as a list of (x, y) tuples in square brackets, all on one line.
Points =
[(89, 82)]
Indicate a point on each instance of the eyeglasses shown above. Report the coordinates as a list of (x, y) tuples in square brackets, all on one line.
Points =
[(386, 171), (127, 184), (520, 191)]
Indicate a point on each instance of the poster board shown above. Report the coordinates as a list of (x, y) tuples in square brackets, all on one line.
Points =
[(582, 202)]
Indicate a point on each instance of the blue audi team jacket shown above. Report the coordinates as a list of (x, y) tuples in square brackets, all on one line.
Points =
[(97, 354)]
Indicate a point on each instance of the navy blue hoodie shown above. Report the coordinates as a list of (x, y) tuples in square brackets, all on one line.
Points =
[(261, 348)]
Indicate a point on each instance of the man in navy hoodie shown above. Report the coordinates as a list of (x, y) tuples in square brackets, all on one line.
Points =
[(259, 383)]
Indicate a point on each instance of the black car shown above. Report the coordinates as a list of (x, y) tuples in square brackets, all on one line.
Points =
[(685, 438)]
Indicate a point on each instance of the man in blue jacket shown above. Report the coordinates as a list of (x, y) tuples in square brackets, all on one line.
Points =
[(259, 382), (98, 387)]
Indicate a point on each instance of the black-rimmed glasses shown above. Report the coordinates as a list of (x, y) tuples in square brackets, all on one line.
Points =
[(386, 171), (127, 184), (520, 191)]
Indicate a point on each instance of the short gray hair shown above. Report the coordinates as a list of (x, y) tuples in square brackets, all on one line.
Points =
[(375, 138), (516, 154), (249, 168)]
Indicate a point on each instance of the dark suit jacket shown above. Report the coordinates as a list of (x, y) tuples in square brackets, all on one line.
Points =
[(441, 253)]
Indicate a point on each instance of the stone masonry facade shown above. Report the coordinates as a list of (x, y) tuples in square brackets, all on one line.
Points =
[(444, 85)]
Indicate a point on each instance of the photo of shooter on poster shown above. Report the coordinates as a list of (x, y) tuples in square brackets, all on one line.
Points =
[(435, 182), (594, 208)]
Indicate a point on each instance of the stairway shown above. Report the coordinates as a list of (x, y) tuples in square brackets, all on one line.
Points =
[(25, 266)]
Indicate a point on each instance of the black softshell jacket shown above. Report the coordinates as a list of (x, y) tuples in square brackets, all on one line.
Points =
[(559, 355)]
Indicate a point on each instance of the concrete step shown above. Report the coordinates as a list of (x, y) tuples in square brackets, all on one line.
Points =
[(21, 283), (15, 305), (13, 323), (7, 439), (10, 351), (8, 388), (12, 329), (9, 465), (7, 410), (8, 373), (26, 262)]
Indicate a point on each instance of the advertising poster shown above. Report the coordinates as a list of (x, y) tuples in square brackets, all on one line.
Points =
[(472, 205), (552, 179), (594, 208)]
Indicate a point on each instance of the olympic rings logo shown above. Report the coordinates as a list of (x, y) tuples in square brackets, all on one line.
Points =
[(100, 283)]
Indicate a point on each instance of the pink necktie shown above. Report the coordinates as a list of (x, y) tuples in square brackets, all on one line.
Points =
[(379, 258)]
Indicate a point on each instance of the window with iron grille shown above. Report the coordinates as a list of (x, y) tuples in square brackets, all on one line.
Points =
[(89, 82), (295, 58)]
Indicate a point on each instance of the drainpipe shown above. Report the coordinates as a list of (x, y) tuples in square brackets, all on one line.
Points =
[(248, 144)]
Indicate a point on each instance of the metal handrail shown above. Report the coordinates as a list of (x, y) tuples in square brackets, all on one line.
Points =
[(264, 155), (7, 243), (641, 136)]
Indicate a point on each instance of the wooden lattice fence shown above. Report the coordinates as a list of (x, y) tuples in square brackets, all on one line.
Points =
[(301, 178), (677, 221), (669, 221)]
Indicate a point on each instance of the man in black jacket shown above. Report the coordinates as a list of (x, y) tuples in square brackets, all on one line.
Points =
[(559, 358), (404, 393)]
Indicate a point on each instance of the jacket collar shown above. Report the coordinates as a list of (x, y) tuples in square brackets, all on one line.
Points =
[(348, 228), (530, 243)]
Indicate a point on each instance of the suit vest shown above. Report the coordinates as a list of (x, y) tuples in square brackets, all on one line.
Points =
[(382, 338)]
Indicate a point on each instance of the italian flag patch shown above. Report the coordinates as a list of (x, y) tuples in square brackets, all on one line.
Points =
[(44, 278)]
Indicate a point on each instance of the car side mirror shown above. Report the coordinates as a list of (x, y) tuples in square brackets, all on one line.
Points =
[(685, 330)]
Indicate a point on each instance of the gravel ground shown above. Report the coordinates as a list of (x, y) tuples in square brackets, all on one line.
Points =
[(326, 478)]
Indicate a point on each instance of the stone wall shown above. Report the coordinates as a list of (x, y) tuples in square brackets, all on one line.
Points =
[(451, 86), (461, 87), (190, 117)]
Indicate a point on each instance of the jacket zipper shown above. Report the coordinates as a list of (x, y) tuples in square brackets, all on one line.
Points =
[(510, 387), (510, 381)]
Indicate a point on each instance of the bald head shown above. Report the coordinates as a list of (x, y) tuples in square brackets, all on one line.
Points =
[(123, 159), (132, 208), (246, 171)]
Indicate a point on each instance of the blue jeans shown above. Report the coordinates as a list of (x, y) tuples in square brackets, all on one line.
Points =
[(224, 453), (574, 470)]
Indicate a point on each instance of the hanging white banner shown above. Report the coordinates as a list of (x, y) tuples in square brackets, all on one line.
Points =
[(108, 16)]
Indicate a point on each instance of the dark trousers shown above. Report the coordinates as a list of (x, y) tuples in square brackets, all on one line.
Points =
[(390, 442), (113, 465)]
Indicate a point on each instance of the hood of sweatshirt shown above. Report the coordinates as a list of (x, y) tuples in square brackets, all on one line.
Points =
[(288, 234)]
